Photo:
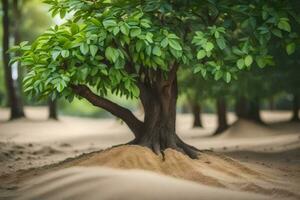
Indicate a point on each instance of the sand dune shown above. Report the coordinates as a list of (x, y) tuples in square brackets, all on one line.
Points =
[(247, 129), (107, 184)]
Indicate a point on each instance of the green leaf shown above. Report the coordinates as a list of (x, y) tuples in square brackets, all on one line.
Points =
[(248, 60), (290, 48), (109, 23), (55, 54), (201, 54), (135, 91), (74, 28), (175, 45), (84, 48), (198, 68), (164, 43), (227, 77), (218, 75), (95, 21), (284, 25), (209, 46), (125, 29), (240, 63), (260, 62), (60, 86), (65, 53), (156, 51), (22, 44), (93, 50), (221, 43), (277, 32), (111, 54), (149, 37), (135, 32), (116, 30)]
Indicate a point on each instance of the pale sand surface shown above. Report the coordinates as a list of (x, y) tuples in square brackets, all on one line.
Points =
[(267, 159), (96, 183)]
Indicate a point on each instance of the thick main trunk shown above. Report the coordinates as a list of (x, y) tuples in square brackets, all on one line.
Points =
[(159, 127), (13, 97), (196, 109), (295, 108), (52, 107), (222, 115)]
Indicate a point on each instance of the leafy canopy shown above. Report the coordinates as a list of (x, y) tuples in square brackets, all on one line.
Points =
[(111, 45)]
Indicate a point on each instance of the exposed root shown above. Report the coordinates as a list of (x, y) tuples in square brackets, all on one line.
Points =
[(158, 148)]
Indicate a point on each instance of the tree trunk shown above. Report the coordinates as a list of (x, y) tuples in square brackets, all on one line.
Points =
[(159, 127), (222, 116), (295, 117), (241, 107), (52, 106), (158, 130), (13, 98), (271, 104), (254, 111), (196, 108), (17, 37)]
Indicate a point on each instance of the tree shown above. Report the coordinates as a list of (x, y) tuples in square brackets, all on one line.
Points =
[(13, 94), (52, 107), (135, 49), (221, 115)]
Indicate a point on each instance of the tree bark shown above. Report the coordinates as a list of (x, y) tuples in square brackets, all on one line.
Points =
[(17, 39), (196, 108), (13, 97), (222, 115), (159, 128), (254, 111), (52, 107), (295, 117), (241, 107)]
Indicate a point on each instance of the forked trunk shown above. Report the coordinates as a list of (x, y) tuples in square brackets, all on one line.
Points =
[(196, 108), (158, 130), (295, 117), (222, 116), (159, 127)]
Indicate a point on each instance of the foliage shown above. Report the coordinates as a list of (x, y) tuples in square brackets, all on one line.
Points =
[(112, 45)]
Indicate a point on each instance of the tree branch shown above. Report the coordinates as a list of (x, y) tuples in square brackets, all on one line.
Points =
[(126, 115)]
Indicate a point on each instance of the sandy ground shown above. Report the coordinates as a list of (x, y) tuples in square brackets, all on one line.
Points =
[(271, 153)]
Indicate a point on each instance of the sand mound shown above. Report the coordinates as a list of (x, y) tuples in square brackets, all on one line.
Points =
[(210, 169), (247, 129), (105, 183)]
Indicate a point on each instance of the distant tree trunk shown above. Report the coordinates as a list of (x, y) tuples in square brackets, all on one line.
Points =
[(241, 107), (254, 111), (185, 108), (196, 109), (295, 117), (271, 103), (13, 99), (222, 115), (52, 106), (17, 38)]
